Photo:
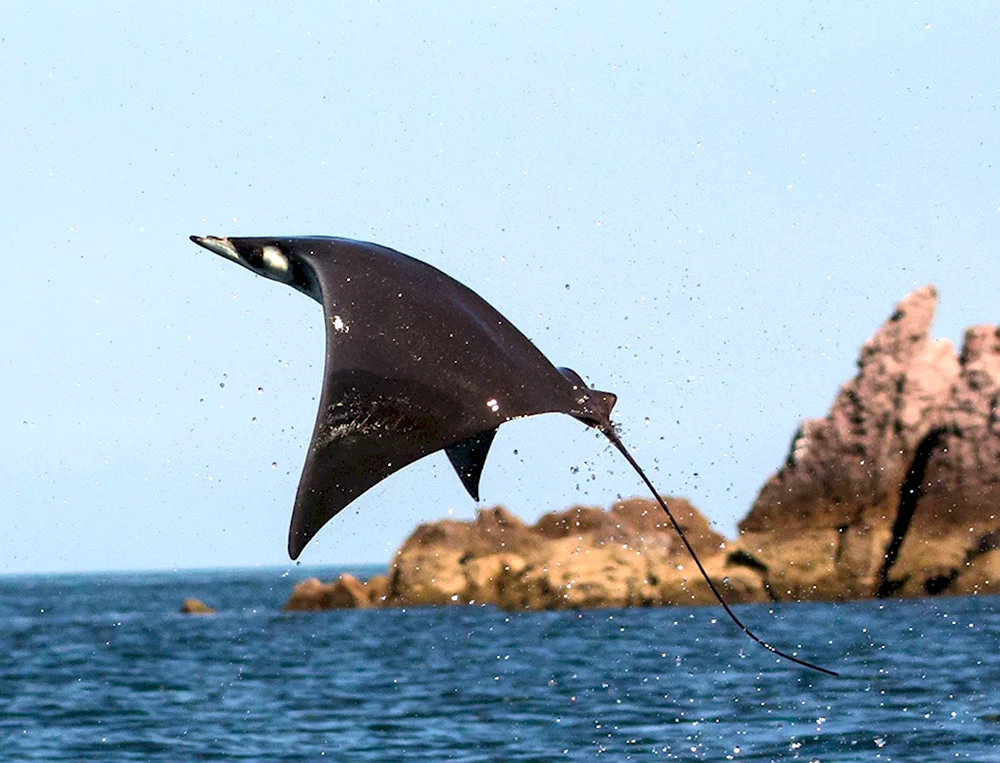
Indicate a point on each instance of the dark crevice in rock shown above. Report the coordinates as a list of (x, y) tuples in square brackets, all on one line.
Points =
[(984, 544), (939, 583), (838, 552), (889, 588), (909, 497), (987, 542), (769, 589), (742, 558)]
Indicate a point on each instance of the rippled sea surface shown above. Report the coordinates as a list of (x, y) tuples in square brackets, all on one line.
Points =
[(103, 668)]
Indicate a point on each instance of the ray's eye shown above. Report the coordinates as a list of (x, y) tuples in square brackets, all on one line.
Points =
[(274, 259)]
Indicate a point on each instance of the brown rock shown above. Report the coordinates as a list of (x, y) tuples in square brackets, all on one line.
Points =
[(426, 575), (346, 592), (686, 586), (895, 492), (581, 557), (378, 590), (306, 596), (492, 531), (196, 607), (981, 575), (571, 574), (430, 566), (487, 578)]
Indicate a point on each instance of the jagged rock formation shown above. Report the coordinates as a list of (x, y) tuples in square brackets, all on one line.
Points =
[(954, 528), (896, 490)]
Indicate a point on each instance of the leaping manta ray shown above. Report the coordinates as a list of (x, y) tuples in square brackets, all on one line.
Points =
[(415, 362)]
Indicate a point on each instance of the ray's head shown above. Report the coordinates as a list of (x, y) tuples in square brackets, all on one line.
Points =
[(270, 258)]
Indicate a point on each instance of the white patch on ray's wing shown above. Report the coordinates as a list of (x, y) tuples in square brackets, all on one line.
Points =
[(275, 259)]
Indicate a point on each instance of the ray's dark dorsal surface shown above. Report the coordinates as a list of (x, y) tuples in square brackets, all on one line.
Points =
[(415, 363)]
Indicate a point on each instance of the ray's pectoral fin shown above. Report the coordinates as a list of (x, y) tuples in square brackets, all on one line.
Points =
[(468, 457), (370, 425)]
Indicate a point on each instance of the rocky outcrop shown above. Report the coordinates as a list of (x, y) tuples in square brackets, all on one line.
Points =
[(582, 557), (896, 490), (196, 607), (346, 592)]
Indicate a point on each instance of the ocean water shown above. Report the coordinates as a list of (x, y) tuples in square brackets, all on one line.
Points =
[(102, 668)]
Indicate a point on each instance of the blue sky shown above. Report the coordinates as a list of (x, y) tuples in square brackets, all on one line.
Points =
[(705, 209)]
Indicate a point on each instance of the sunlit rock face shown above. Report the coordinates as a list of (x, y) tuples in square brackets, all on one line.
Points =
[(346, 592), (581, 557), (196, 607), (896, 490)]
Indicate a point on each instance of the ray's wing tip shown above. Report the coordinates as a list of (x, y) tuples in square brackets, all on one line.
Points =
[(296, 538), (295, 545), (302, 529)]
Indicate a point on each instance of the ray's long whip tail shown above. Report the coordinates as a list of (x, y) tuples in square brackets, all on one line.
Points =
[(613, 437)]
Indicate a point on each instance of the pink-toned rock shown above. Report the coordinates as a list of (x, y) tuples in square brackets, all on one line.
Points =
[(896, 491), (955, 518), (962, 484), (851, 463)]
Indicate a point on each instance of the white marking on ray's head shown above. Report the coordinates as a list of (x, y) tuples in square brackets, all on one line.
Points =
[(275, 259), (339, 325), (221, 246), (493, 405)]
